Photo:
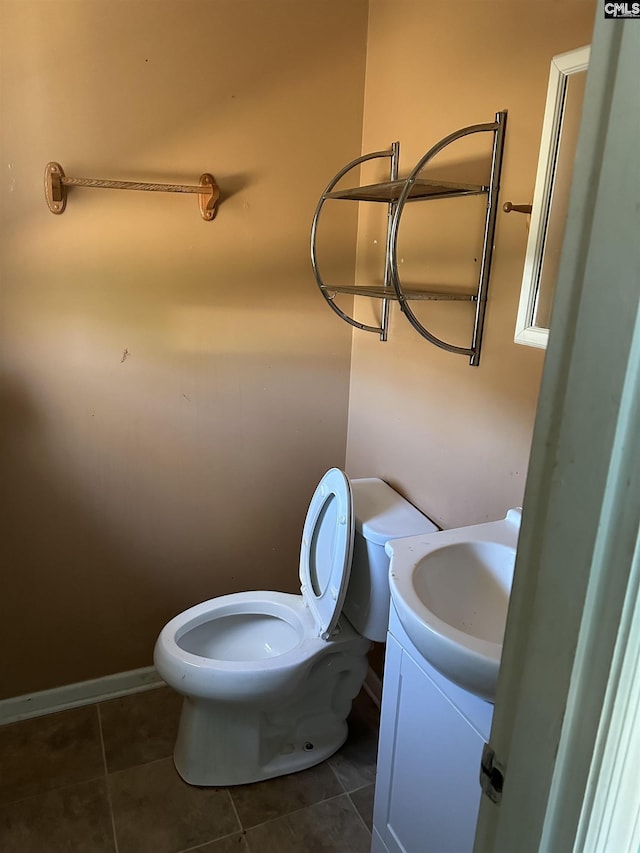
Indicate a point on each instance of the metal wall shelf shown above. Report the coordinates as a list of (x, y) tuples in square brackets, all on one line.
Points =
[(420, 189), (375, 292), (396, 193)]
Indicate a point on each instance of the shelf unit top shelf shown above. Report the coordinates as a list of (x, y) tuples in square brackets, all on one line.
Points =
[(379, 292), (421, 188)]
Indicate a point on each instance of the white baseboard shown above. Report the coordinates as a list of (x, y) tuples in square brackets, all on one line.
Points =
[(74, 695), (373, 686), (110, 687)]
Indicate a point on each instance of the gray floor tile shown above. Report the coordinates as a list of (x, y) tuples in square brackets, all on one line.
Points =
[(156, 812), (363, 801), (54, 798), (355, 762), (75, 819), (231, 844), (329, 827), (140, 728), (44, 753), (273, 798)]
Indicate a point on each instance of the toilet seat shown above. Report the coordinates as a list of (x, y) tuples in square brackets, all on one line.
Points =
[(255, 642), (327, 550)]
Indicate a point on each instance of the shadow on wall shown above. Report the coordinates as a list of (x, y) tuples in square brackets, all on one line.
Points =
[(46, 531), (233, 184)]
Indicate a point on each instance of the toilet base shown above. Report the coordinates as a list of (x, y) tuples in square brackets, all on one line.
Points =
[(221, 744)]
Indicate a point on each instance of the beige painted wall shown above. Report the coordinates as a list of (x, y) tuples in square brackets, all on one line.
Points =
[(167, 384), (453, 438), (171, 390)]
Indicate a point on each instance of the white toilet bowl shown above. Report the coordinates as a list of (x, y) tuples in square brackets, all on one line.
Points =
[(239, 647), (265, 695), (269, 677)]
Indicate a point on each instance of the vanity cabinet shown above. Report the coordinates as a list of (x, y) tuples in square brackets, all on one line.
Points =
[(431, 738)]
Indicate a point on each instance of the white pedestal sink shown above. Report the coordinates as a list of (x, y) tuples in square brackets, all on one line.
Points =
[(451, 591)]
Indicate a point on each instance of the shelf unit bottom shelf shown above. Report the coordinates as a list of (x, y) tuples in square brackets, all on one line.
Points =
[(379, 292)]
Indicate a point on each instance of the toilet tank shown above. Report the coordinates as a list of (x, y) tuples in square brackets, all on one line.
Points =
[(380, 514)]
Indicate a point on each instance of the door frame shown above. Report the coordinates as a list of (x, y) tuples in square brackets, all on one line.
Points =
[(568, 692)]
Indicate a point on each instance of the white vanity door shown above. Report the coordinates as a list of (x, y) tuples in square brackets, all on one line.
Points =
[(427, 786)]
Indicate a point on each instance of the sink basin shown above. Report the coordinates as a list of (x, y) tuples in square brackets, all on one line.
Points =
[(451, 592)]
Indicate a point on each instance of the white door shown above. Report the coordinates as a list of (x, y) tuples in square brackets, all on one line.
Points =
[(569, 690)]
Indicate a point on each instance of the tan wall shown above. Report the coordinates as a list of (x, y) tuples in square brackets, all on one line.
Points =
[(171, 390), (453, 438)]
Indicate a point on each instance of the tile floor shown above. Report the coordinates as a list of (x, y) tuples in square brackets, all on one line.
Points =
[(100, 779)]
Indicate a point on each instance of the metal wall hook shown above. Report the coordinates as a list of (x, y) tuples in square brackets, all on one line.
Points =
[(517, 208)]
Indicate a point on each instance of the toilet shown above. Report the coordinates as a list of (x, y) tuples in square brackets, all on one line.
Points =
[(268, 677)]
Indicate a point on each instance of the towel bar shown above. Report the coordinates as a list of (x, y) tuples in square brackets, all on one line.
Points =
[(56, 183)]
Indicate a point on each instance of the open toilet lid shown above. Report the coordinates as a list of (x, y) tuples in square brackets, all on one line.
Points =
[(327, 549)]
